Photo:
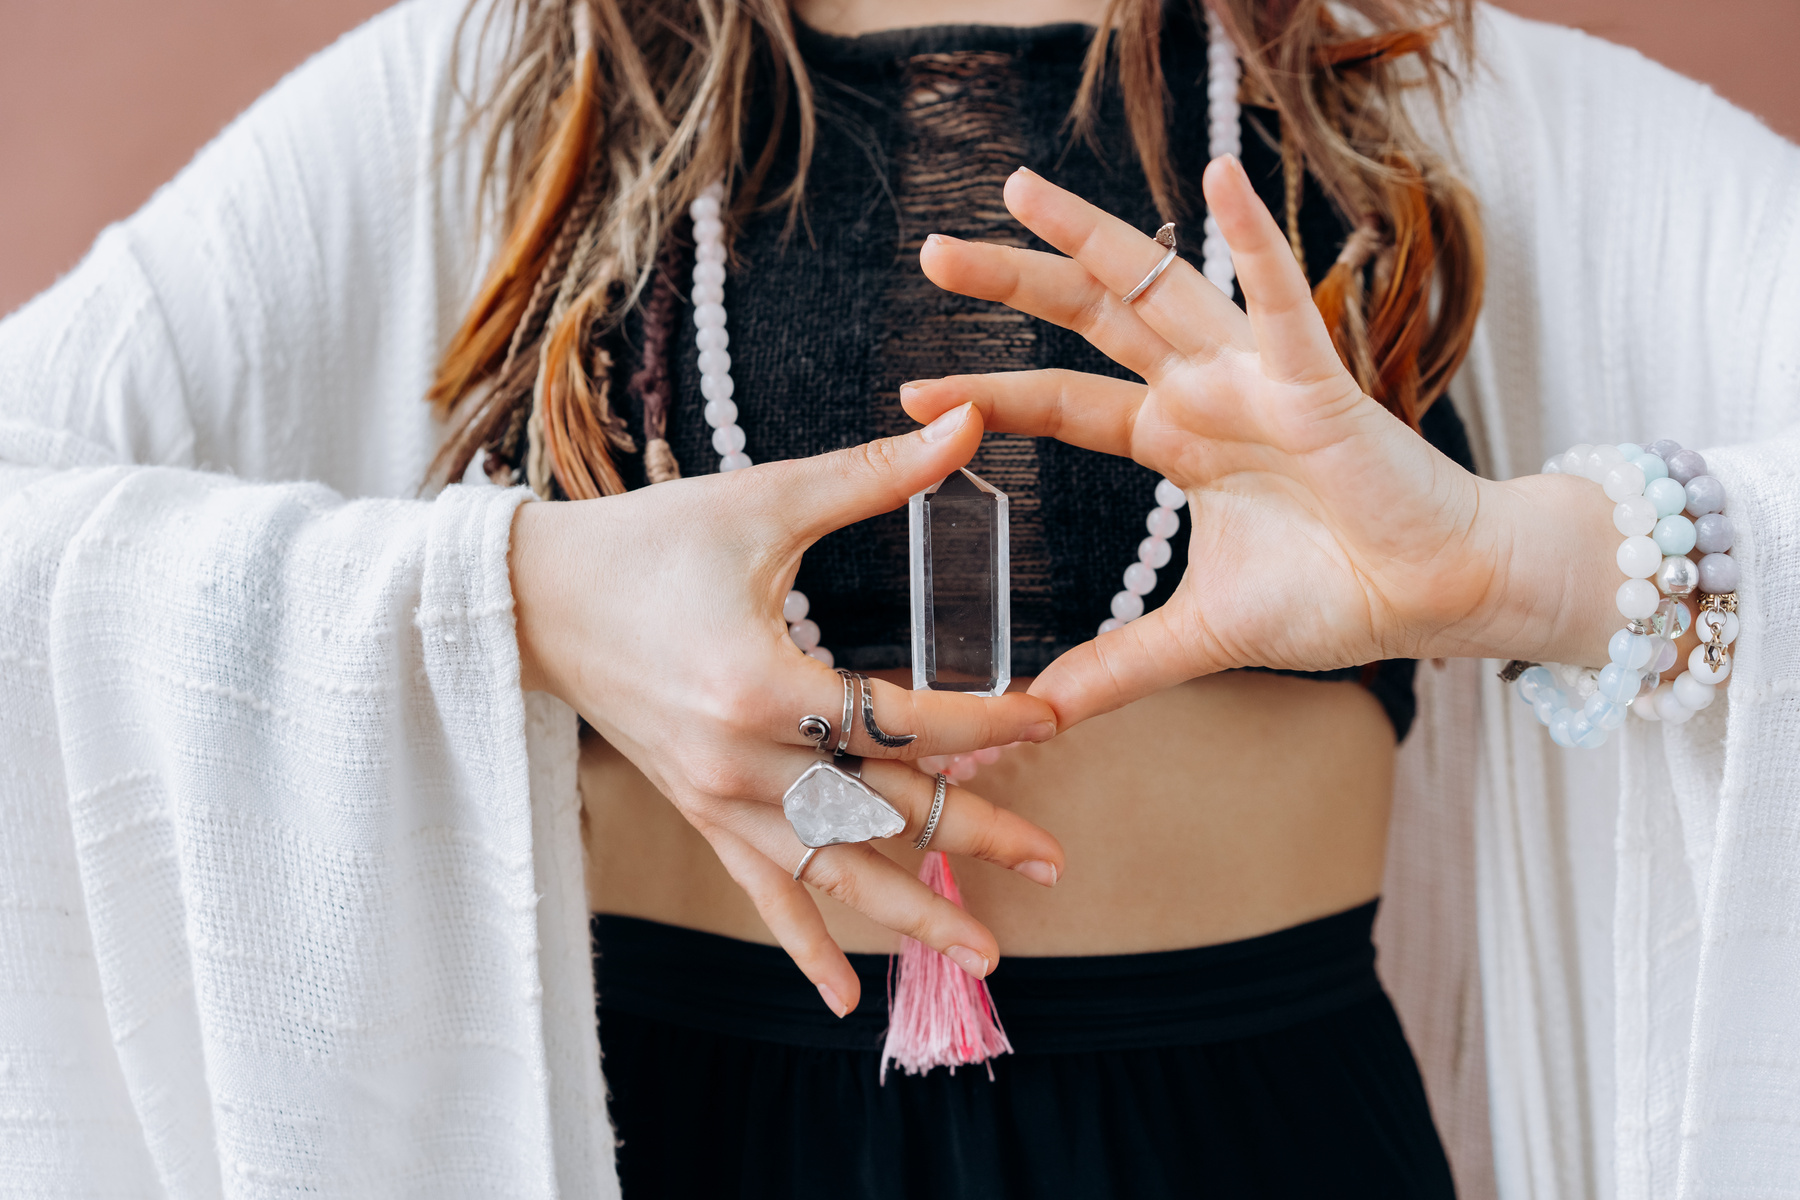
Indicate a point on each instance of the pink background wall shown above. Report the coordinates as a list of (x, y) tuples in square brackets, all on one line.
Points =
[(101, 100)]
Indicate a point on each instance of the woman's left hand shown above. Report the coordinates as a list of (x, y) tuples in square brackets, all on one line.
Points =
[(1325, 533)]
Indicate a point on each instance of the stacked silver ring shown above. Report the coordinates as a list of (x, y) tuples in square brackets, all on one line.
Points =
[(937, 810)]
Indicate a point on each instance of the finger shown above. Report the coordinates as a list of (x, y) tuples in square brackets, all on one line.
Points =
[(1094, 412), (792, 917), (1114, 669), (938, 722), (859, 876), (967, 824), (1182, 305), (1055, 289), (1290, 334), (829, 491)]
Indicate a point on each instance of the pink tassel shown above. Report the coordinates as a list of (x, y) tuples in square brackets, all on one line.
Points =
[(939, 1015)]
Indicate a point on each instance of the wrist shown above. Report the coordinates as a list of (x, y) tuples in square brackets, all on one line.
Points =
[(535, 534), (1546, 545)]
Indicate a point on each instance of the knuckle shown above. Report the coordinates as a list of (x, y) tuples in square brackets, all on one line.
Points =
[(718, 777), (838, 882)]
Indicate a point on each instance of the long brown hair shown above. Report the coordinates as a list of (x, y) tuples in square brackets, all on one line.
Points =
[(611, 116)]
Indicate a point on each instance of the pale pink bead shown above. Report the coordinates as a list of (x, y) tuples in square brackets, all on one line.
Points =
[(1162, 522), (962, 769), (805, 633), (734, 462), (822, 654), (704, 208), (1170, 496), (1154, 553), (988, 756), (795, 607), (1127, 606), (728, 440), (1108, 625), (1140, 579)]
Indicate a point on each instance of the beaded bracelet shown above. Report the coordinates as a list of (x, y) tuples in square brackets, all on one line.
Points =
[(1650, 487)]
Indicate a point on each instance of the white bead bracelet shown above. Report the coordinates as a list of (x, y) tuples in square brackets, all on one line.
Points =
[(1650, 487)]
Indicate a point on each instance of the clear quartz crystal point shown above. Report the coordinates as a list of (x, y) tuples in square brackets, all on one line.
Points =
[(961, 588)]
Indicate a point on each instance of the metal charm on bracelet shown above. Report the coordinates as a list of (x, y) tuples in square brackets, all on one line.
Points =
[(937, 810), (875, 732), (1164, 237)]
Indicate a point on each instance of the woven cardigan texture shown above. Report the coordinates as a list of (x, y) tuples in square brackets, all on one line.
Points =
[(290, 880)]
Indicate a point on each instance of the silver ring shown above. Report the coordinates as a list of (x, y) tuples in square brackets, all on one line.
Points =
[(875, 732), (937, 810), (849, 709), (805, 859), (815, 729), (1164, 237)]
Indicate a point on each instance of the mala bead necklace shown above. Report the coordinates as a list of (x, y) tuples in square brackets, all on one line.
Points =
[(1223, 75)]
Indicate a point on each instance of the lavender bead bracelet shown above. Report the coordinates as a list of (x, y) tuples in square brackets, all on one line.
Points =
[(1651, 487)]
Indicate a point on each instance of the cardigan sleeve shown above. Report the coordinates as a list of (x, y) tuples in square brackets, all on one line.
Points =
[(277, 845), (1641, 943)]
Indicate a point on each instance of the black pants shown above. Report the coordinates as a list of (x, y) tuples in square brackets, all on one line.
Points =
[(1271, 1067)]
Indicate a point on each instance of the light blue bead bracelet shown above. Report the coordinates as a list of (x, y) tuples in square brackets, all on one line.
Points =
[(1650, 487)]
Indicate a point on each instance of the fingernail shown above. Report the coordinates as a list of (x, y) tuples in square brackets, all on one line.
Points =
[(947, 424), (942, 238), (1043, 731), (909, 390), (1024, 170), (1038, 872), (975, 964), (831, 1000)]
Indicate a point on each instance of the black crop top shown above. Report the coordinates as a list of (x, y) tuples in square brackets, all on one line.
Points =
[(918, 129)]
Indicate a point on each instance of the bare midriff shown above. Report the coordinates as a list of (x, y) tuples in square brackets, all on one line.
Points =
[(1227, 807)]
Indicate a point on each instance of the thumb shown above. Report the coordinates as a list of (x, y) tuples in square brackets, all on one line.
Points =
[(1116, 668), (830, 491)]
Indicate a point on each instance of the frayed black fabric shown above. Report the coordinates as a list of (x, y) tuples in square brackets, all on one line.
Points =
[(1271, 1067)]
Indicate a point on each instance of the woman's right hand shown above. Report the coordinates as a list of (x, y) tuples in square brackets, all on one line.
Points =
[(657, 615)]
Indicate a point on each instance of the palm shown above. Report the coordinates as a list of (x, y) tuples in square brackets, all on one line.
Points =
[(1323, 531)]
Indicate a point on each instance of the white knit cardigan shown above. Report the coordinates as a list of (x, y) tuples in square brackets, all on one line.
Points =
[(290, 878)]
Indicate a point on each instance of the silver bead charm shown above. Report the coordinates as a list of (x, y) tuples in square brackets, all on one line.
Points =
[(1677, 576)]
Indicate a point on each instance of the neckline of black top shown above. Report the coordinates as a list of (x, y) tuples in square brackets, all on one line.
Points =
[(819, 48)]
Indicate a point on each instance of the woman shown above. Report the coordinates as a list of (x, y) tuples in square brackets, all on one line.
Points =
[(325, 692)]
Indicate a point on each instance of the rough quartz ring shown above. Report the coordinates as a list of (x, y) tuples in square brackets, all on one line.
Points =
[(1164, 237), (937, 810), (805, 859)]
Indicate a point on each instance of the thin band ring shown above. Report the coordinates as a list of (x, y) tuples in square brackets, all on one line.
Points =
[(849, 710), (876, 734), (804, 860), (1165, 237), (937, 810)]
